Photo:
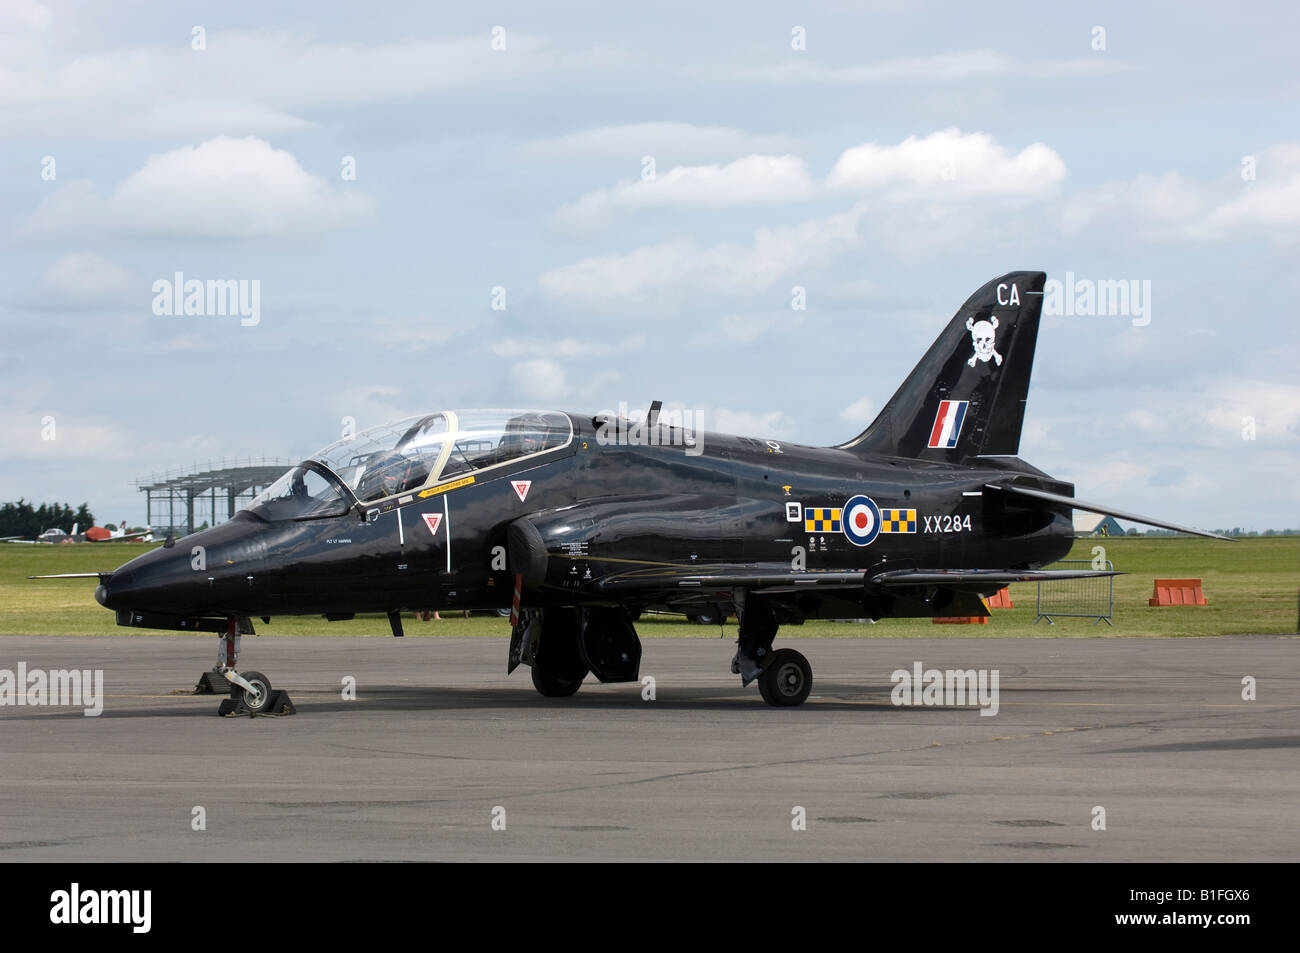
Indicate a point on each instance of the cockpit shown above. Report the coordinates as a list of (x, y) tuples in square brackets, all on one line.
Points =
[(409, 455)]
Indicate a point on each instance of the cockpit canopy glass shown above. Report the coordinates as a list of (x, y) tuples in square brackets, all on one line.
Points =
[(408, 455), (301, 494)]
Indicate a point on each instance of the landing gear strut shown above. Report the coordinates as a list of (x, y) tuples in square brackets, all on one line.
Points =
[(754, 645)]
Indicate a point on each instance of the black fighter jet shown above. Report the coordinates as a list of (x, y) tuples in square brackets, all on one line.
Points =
[(577, 523)]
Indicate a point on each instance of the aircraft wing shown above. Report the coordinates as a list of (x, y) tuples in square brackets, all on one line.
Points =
[(118, 539), (1048, 497), (753, 578), (782, 579), (978, 580)]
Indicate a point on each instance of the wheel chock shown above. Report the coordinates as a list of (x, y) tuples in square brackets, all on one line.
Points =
[(212, 683), (280, 704)]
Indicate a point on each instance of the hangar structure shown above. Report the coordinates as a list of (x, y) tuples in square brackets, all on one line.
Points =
[(212, 494), (1096, 524)]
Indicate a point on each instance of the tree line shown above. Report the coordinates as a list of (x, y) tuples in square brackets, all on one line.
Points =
[(23, 519)]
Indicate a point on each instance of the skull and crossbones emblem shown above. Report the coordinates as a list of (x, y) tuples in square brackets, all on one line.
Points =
[(981, 338)]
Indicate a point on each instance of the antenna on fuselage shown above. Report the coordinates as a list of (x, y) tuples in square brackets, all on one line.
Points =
[(652, 417)]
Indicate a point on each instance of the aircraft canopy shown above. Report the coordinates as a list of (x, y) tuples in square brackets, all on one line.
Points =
[(408, 455)]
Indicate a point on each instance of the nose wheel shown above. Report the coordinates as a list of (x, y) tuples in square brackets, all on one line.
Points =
[(786, 680), (256, 699)]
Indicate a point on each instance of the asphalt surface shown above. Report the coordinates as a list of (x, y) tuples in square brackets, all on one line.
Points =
[(1153, 731)]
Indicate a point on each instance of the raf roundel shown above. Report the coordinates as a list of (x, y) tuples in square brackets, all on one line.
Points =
[(861, 520)]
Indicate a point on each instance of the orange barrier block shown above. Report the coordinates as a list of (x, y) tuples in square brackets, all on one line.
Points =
[(1001, 600), (961, 620), (1177, 592)]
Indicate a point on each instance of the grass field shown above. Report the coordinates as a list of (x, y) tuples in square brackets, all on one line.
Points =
[(1252, 587)]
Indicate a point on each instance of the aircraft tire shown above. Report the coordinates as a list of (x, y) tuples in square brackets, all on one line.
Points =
[(710, 616), (550, 685), (263, 699), (787, 679)]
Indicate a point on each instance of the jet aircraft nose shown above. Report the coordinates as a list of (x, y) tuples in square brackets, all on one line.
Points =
[(219, 570), (118, 581), (150, 582)]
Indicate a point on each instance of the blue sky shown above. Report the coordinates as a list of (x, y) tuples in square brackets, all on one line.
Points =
[(906, 155)]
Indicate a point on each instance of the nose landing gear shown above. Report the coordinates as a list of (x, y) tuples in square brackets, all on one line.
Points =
[(250, 692)]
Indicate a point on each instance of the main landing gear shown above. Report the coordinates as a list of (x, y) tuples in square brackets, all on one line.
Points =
[(250, 692), (564, 645), (784, 675)]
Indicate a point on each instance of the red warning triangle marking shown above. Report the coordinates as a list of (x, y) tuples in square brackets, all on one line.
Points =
[(521, 488), (433, 519)]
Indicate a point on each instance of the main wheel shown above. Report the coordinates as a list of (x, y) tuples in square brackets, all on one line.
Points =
[(551, 685), (711, 615), (257, 700), (787, 680)]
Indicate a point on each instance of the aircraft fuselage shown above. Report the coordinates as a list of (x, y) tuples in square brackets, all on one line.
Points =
[(642, 504)]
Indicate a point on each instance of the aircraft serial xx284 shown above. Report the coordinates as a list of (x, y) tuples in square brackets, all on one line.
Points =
[(576, 528)]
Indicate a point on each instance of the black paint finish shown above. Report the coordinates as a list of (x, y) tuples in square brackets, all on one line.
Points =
[(658, 521)]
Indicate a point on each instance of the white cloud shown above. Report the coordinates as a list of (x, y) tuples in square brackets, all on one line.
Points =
[(745, 328), (82, 280), (956, 67), (565, 347), (765, 425), (755, 179), (675, 271), (948, 164), (1161, 206), (666, 141), (1173, 208), (1273, 408), (945, 166), (369, 405), (540, 379), (852, 291), (253, 80), (858, 412), (222, 188), (1146, 421), (412, 334), (77, 438), (1270, 204), (24, 16)]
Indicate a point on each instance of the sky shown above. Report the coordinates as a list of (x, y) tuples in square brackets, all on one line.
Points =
[(587, 206)]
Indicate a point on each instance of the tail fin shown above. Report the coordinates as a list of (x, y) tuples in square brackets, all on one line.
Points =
[(966, 397)]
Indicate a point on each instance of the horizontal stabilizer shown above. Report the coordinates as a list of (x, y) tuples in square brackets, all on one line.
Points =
[(1078, 504)]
